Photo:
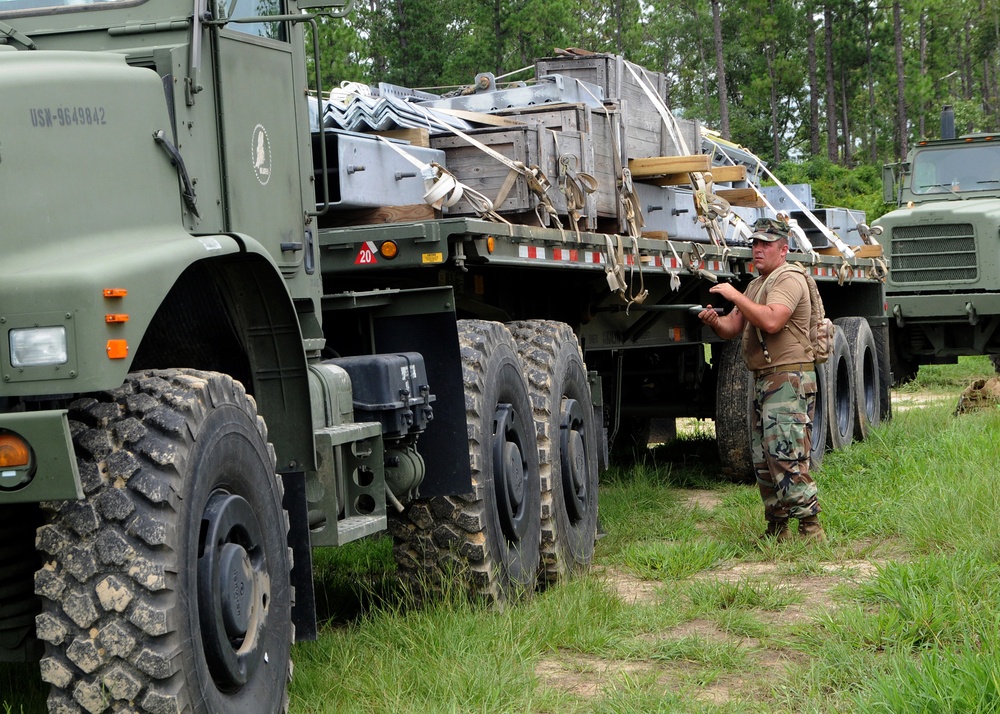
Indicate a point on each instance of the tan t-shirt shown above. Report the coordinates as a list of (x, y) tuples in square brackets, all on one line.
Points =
[(791, 343)]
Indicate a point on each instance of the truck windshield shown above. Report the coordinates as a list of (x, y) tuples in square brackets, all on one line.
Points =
[(968, 167)]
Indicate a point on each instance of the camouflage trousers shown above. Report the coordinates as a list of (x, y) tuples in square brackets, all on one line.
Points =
[(784, 405)]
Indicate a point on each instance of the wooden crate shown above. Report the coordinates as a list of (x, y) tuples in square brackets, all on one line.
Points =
[(531, 145), (599, 124), (645, 134)]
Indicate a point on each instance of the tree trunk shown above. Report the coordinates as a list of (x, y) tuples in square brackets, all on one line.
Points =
[(848, 149), (987, 94), (873, 136), (831, 91), (497, 38), (921, 127), (967, 78), (720, 72), (897, 30), (813, 90), (702, 63), (769, 53)]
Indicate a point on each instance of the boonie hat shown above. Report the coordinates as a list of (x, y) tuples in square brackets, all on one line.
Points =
[(769, 230)]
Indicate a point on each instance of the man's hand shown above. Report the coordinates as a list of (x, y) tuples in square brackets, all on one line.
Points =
[(710, 316), (726, 290)]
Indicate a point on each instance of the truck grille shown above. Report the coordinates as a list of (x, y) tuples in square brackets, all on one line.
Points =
[(934, 254)]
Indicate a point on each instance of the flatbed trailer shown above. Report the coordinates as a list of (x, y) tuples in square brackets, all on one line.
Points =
[(650, 360)]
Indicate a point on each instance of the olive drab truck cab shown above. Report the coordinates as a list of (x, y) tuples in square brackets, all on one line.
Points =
[(176, 431), (943, 243)]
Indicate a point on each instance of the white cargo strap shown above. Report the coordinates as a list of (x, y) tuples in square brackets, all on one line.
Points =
[(631, 208), (844, 249), (675, 276), (698, 268), (537, 182), (879, 270), (629, 205), (444, 190), (704, 201), (575, 185), (800, 235), (615, 271)]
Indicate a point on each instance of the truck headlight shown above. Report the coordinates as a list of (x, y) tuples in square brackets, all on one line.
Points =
[(38, 346)]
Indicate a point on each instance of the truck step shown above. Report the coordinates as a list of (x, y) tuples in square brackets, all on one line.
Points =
[(355, 527)]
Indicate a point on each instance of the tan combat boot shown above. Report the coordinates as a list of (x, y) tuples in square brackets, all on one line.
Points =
[(777, 530), (811, 529)]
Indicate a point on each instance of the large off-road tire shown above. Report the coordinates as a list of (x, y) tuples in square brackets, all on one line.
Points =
[(567, 444), (867, 385), (880, 333), (817, 448), (841, 393), (489, 538), (733, 412), (167, 589)]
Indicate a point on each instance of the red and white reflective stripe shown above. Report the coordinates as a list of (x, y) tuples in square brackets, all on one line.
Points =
[(666, 263), (594, 256), (570, 255), (715, 265), (530, 251), (824, 272)]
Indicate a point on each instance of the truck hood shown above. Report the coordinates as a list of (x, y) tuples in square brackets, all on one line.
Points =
[(956, 210), (78, 161)]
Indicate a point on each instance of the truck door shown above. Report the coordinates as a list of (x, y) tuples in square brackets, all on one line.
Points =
[(261, 97)]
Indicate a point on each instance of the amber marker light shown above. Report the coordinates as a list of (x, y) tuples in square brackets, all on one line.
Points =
[(110, 319), (14, 451), (115, 292), (491, 244), (117, 349), (388, 249)]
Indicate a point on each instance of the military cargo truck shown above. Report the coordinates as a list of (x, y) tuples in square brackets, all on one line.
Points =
[(203, 376), (943, 289)]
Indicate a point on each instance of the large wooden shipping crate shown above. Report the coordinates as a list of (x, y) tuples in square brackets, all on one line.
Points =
[(603, 127), (645, 135), (533, 145)]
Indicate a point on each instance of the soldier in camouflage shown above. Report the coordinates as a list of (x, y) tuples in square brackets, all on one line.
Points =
[(771, 316)]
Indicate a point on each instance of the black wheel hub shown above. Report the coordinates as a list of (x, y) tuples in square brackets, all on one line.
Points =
[(233, 590), (510, 471), (573, 458)]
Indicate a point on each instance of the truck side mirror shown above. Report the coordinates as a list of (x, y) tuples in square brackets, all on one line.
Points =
[(889, 183)]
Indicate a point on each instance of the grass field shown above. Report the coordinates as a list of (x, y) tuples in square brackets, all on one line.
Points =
[(686, 611)]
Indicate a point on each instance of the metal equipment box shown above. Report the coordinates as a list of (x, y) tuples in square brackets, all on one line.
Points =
[(364, 172)]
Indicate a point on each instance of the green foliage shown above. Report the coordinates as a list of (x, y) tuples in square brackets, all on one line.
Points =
[(949, 377), (835, 185), (951, 56), (673, 560)]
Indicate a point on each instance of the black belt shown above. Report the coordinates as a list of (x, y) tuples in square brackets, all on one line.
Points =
[(793, 367)]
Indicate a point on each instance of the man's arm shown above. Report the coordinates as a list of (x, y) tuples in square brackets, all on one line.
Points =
[(769, 318)]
